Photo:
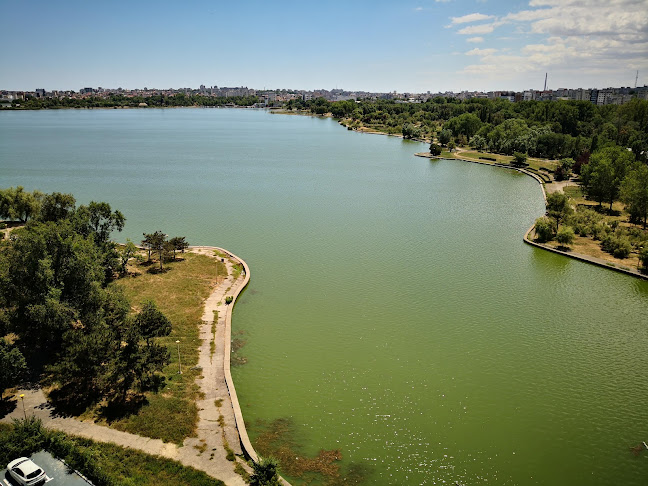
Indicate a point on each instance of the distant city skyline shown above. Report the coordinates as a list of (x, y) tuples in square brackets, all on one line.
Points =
[(376, 46)]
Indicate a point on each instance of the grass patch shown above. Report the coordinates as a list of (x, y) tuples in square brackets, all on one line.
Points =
[(218, 403), (574, 192), (179, 292), (240, 470)]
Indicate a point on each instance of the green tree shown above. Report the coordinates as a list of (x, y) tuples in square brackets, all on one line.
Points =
[(565, 236), (643, 259), (634, 193), (445, 136), (435, 149), (519, 159), (178, 243), (16, 203), (57, 206), (265, 472), (545, 229), (606, 170), (558, 207), (126, 252), (12, 366), (156, 242)]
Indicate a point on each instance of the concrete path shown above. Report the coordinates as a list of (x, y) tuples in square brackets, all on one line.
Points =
[(205, 452)]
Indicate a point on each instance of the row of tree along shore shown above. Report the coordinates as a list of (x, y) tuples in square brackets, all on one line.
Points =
[(59, 319), (603, 148), (121, 101)]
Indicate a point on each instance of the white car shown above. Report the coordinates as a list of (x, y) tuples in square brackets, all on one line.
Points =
[(26, 472)]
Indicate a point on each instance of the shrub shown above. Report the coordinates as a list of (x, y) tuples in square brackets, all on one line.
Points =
[(619, 246), (565, 236), (3, 225), (643, 259), (229, 299), (435, 149), (545, 229)]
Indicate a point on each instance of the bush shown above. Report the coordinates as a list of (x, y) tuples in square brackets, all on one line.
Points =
[(3, 225), (619, 246), (545, 229), (643, 259), (229, 299), (435, 149), (519, 159), (565, 236)]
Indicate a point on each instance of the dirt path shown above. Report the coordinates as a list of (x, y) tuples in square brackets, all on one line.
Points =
[(205, 452)]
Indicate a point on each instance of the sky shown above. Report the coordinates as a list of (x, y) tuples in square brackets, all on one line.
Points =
[(378, 45)]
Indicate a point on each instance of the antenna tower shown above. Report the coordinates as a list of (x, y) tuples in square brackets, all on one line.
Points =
[(636, 78), (545, 87)]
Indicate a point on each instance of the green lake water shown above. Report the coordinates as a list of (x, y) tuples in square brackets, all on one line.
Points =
[(394, 312)]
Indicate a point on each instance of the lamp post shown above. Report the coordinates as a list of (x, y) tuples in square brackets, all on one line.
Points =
[(22, 399), (179, 363)]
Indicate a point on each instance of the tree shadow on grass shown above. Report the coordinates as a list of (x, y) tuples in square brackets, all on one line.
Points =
[(156, 270), (118, 409), (8, 405)]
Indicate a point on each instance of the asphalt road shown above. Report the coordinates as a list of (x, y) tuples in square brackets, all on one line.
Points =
[(57, 473)]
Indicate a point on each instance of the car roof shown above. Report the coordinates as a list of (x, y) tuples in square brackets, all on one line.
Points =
[(25, 466)]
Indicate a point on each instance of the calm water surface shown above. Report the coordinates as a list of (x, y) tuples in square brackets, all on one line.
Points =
[(394, 312)]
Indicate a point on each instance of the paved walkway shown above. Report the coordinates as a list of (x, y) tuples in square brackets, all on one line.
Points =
[(210, 435)]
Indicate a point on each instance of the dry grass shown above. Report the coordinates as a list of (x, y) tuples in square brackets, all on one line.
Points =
[(179, 292)]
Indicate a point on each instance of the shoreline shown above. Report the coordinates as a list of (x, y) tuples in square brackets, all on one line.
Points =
[(576, 256), (244, 438)]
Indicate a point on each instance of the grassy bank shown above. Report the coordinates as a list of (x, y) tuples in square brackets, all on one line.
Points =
[(179, 291), (103, 464)]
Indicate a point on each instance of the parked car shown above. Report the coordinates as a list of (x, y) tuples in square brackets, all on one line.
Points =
[(26, 472)]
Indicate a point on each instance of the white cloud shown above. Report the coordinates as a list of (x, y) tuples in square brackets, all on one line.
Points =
[(479, 29), (475, 40), (576, 38), (474, 17), (481, 52)]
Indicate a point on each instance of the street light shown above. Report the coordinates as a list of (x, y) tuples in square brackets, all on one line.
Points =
[(179, 363), (22, 398)]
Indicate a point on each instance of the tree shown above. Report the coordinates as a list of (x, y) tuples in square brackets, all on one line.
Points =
[(643, 259), (265, 472), (12, 366), (16, 203), (435, 149), (57, 206), (563, 171), (156, 242), (178, 243), (606, 170), (126, 252), (545, 229), (519, 159), (151, 322), (445, 136), (558, 207), (411, 131), (565, 236), (466, 124), (451, 145), (634, 193)]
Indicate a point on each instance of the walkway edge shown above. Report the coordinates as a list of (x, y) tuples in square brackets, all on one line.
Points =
[(238, 414), (583, 258), (575, 256)]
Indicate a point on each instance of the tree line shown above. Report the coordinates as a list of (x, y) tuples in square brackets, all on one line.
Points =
[(66, 324), (547, 129), (119, 100)]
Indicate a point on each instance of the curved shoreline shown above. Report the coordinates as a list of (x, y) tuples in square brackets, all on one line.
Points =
[(238, 414), (576, 256)]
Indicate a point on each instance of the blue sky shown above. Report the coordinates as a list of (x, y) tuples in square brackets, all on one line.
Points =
[(379, 45)]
